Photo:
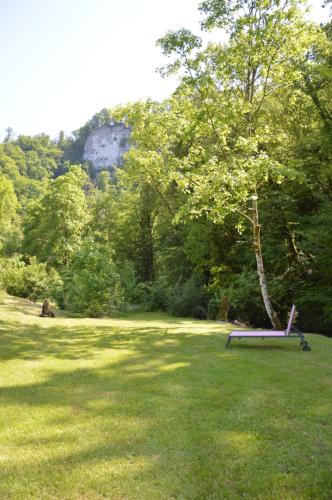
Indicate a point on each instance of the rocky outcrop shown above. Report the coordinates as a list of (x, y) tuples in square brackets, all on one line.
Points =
[(106, 145)]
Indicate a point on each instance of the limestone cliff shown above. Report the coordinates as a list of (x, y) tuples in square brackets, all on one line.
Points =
[(106, 145)]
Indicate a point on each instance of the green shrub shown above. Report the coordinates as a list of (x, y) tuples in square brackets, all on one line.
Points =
[(158, 295), (12, 276), (132, 294), (152, 296), (199, 312), (315, 309), (213, 307), (92, 283), (32, 280), (187, 298)]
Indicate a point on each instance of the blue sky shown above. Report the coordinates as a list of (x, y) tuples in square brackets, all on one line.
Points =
[(64, 60)]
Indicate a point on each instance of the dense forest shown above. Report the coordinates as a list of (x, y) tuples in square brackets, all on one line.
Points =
[(223, 206)]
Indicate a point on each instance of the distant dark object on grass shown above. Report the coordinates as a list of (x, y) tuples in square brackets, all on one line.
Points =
[(49, 315), (46, 311)]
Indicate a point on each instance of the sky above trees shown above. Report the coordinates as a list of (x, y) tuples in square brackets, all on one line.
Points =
[(63, 61)]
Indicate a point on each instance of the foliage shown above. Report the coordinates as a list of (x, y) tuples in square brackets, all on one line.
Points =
[(225, 194), (155, 295), (129, 283), (189, 299), (29, 162), (92, 283), (32, 280), (54, 226), (8, 206)]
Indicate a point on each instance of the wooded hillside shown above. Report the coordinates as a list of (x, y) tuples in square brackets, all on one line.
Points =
[(223, 206)]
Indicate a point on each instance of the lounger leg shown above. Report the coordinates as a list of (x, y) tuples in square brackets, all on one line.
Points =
[(228, 342), (305, 345)]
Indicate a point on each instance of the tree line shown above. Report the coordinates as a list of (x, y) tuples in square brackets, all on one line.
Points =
[(223, 205)]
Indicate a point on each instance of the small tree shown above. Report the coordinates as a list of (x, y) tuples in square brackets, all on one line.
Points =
[(53, 228), (92, 282)]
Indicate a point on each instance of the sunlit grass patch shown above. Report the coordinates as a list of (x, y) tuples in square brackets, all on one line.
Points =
[(154, 407)]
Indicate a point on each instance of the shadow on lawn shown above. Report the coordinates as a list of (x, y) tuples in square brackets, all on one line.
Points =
[(20, 306), (63, 342), (187, 413), (150, 406), (173, 411), (175, 416)]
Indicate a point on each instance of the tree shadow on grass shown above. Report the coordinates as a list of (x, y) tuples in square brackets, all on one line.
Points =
[(20, 306), (35, 342), (269, 346), (137, 410), (174, 413), (180, 421), (19, 341)]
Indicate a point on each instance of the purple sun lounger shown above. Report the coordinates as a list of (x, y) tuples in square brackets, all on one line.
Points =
[(289, 333)]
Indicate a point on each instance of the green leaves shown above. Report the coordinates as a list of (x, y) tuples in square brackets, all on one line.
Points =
[(53, 229), (8, 206), (92, 283), (181, 42)]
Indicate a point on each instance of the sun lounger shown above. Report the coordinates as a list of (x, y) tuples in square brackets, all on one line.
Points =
[(289, 333)]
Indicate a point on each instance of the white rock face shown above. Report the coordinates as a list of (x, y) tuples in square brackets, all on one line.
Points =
[(106, 145)]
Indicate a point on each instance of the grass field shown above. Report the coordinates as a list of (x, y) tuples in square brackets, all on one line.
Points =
[(152, 407)]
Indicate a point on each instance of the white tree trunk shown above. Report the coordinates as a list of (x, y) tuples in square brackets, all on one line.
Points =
[(260, 268)]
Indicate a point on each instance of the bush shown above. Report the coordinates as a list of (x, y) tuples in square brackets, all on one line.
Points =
[(243, 295), (186, 299), (200, 312), (213, 307), (132, 293), (92, 283), (32, 281), (152, 296), (158, 295), (315, 309), (12, 276)]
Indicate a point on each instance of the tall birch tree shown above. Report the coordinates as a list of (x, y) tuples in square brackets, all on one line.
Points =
[(229, 85)]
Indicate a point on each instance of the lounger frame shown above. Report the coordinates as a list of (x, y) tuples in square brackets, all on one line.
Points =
[(290, 333)]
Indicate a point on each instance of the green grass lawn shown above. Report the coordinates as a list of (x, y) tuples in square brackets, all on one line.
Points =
[(153, 407)]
